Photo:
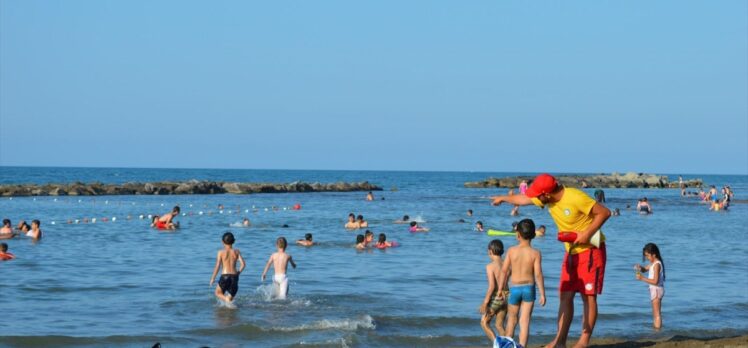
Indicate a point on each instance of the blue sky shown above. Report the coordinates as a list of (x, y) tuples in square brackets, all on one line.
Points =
[(589, 86)]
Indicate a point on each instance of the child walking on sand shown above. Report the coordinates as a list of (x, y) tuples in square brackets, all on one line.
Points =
[(280, 261), (227, 259), (494, 306), (655, 278), (524, 263)]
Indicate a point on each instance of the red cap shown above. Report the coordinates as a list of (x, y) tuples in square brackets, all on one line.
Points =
[(543, 183)]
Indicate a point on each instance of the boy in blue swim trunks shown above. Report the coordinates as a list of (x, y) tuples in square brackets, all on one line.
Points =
[(524, 263)]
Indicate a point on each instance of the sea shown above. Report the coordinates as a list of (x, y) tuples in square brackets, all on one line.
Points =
[(116, 282)]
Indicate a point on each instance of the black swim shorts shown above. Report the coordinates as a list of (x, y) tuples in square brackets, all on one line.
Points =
[(229, 283)]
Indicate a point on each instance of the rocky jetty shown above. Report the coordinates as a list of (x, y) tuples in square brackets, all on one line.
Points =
[(192, 187), (614, 180)]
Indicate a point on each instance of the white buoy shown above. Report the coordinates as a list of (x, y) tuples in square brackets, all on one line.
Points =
[(55, 199), (77, 221), (253, 207), (114, 219), (93, 221), (106, 202), (184, 214), (34, 199), (284, 208), (246, 210), (190, 205), (150, 216), (266, 209), (200, 213), (220, 212), (52, 222), (141, 216), (162, 204), (80, 200)]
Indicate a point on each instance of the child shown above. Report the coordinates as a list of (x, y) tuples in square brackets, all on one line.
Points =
[(382, 243), (35, 232), (166, 222), (494, 306), (415, 228), (360, 244), (541, 231), (368, 238), (154, 221), (280, 262), (352, 224), (655, 279), (361, 222), (226, 259), (405, 220), (7, 227), (4, 254), (307, 241), (246, 222), (524, 263), (479, 226), (470, 212)]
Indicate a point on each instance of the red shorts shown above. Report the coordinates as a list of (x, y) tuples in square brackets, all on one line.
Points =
[(161, 225), (584, 272)]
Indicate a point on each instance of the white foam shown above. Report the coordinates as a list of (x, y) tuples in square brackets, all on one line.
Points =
[(364, 322)]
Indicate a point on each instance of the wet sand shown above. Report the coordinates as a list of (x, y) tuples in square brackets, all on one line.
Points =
[(672, 342)]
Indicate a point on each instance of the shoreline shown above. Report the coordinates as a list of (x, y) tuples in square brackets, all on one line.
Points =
[(676, 341)]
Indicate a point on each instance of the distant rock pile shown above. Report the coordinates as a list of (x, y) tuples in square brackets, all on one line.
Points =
[(192, 187), (614, 180)]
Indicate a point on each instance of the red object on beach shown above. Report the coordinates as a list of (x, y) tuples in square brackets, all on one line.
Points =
[(568, 237)]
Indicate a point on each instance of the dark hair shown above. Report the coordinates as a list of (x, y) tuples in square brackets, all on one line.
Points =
[(413, 223), (496, 247), (281, 243), (470, 211), (176, 209), (526, 229), (3, 247), (382, 238), (360, 217), (228, 238), (541, 226), (406, 217), (368, 233), (37, 222), (479, 223), (359, 238), (652, 249), (514, 225), (308, 236), (155, 217), (6, 222), (352, 215)]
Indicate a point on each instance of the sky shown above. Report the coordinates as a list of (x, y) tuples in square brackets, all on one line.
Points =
[(509, 86)]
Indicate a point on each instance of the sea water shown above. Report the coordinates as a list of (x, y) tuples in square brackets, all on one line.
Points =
[(121, 283)]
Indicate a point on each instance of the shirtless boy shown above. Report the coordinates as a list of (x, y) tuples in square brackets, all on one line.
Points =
[(280, 261), (524, 263), (227, 259), (166, 222)]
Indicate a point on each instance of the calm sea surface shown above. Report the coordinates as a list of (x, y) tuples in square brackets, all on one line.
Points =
[(120, 283)]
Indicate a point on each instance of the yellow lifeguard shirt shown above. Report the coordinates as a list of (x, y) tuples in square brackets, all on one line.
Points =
[(572, 214)]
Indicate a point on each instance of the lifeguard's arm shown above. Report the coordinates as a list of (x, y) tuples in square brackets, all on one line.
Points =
[(519, 199), (600, 214), (538, 270), (491, 288), (215, 269), (267, 266), (242, 263), (290, 259), (656, 279)]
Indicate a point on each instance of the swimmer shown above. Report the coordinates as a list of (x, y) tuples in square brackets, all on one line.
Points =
[(415, 228), (470, 212), (616, 212), (540, 231), (643, 206), (280, 261), (35, 232), (361, 222), (226, 260), (368, 238), (479, 226), (7, 227), (166, 222), (352, 224), (154, 221), (382, 242), (4, 254), (307, 241), (360, 242), (369, 196), (405, 220), (246, 222)]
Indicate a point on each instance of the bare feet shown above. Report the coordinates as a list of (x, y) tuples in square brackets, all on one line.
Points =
[(554, 344)]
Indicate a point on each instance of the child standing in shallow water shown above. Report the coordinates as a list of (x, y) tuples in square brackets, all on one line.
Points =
[(493, 305), (280, 261), (227, 259), (655, 278), (524, 263)]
